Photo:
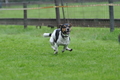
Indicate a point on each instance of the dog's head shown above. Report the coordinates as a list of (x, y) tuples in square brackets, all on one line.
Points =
[(65, 28)]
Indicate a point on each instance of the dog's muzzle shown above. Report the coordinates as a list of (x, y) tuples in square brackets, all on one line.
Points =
[(67, 31)]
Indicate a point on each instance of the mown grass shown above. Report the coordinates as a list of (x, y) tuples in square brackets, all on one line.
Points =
[(71, 12), (27, 55)]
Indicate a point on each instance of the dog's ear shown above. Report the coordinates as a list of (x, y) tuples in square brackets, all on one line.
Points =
[(70, 25), (60, 25)]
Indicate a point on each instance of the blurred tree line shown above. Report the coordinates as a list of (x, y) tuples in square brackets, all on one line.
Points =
[(6, 1)]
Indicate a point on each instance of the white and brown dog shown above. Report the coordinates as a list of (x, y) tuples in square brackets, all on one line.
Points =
[(60, 37)]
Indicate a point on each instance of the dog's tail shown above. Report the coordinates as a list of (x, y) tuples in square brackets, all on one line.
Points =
[(46, 34)]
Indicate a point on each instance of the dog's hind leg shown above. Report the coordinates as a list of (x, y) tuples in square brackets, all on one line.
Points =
[(52, 45), (56, 48)]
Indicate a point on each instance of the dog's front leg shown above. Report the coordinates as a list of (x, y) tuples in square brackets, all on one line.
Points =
[(69, 49), (64, 48)]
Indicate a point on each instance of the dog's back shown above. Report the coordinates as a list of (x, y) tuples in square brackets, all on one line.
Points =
[(55, 34)]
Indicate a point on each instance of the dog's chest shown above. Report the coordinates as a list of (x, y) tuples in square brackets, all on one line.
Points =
[(63, 40)]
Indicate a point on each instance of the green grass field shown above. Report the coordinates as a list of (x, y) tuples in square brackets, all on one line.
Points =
[(75, 12), (26, 55)]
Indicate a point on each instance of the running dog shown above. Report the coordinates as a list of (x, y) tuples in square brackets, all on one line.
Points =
[(60, 37)]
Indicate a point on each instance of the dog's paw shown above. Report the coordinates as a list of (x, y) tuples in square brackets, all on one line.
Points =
[(69, 49), (62, 51), (55, 52)]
